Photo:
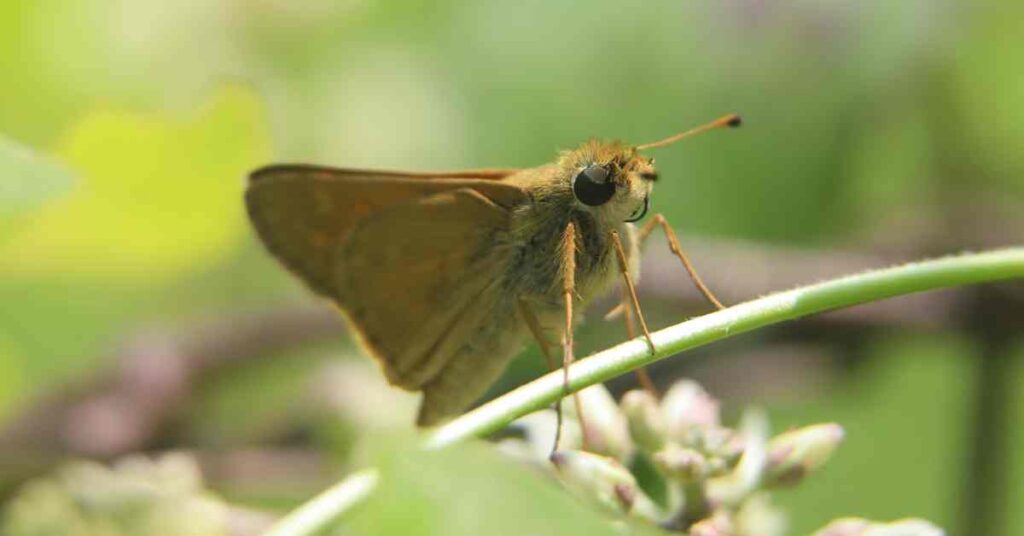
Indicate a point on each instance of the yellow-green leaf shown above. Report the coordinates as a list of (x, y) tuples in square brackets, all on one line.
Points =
[(27, 180), (159, 195)]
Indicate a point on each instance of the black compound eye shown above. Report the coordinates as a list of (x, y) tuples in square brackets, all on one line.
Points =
[(593, 186)]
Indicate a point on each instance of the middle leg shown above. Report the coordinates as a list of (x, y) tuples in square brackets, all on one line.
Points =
[(545, 348), (631, 306)]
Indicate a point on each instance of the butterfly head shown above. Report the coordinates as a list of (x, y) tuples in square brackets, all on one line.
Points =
[(614, 180), (610, 179)]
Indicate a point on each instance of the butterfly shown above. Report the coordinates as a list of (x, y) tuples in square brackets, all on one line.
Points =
[(444, 276)]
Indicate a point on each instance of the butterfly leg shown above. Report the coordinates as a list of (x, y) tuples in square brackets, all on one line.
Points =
[(545, 348), (673, 244), (538, 334), (568, 267), (643, 378), (631, 306)]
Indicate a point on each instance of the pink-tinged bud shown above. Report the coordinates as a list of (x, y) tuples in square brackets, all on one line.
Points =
[(758, 516), (717, 439), (845, 527), (718, 524), (732, 449), (745, 477), (681, 463), (597, 478), (646, 421), (851, 526), (795, 453), (717, 466), (687, 405), (606, 426)]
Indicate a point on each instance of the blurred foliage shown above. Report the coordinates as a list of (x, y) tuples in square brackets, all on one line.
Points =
[(466, 491), (163, 497), (126, 129), (154, 200), (30, 179), (11, 383), (892, 462)]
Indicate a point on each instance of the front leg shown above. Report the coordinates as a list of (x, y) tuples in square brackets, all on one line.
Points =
[(568, 272), (677, 250)]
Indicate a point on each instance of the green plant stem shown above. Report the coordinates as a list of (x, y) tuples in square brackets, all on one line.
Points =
[(315, 514), (851, 290), (866, 287)]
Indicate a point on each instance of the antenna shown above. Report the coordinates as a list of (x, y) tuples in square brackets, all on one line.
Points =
[(731, 120)]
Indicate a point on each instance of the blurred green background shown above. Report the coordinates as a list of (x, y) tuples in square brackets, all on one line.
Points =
[(879, 130)]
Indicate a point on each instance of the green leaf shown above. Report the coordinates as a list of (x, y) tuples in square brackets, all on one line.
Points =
[(160, 194), (467, 490), (27, 180), (12, 385)]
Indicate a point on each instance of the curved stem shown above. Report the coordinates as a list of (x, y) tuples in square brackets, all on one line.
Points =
[(851, 290), (315, 514)]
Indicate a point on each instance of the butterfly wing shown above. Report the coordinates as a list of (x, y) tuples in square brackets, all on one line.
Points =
[(417, 266), (301, 212), (425, 284)]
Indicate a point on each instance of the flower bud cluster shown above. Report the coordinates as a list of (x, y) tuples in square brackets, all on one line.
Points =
[(708, 479)]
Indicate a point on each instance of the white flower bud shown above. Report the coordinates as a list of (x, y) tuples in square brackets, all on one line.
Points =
[(718, 524), (606, 426), (745, 477), (597, 478), (852, 526), (793, 454), (645, 418), (681, 463), (687, 405)]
